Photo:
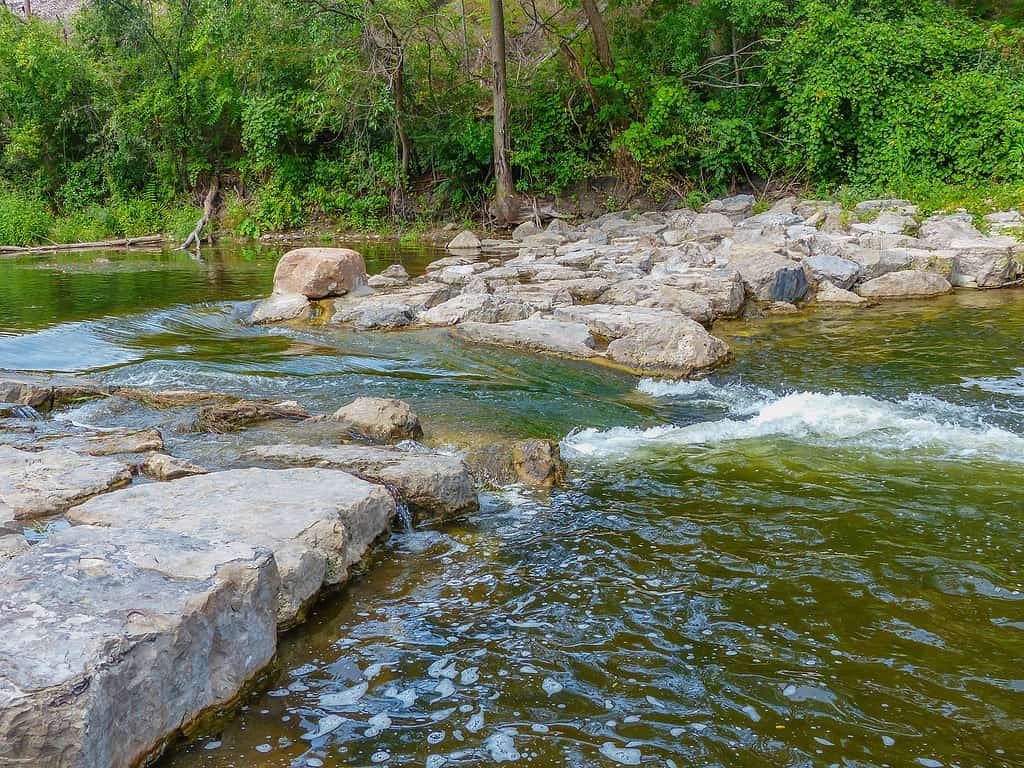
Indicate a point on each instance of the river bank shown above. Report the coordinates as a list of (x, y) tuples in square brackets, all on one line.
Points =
[(495, 394)]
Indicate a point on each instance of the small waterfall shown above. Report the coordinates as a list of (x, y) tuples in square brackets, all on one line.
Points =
[(405, 518)]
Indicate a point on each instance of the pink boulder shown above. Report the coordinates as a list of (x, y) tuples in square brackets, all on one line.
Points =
[(317, 273)]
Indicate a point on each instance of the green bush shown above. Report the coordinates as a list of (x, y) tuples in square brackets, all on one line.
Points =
[(23, 220)]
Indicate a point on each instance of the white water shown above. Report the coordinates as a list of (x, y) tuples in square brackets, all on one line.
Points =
[(999, 385), (916, 423)]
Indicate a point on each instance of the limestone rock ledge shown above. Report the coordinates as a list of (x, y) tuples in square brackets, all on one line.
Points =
[(115, 641), (317, 522)]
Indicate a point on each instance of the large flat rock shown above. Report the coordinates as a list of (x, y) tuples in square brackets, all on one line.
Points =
[(42, 483), (317, 522), (533, 335), (116, 640), (433, 485)]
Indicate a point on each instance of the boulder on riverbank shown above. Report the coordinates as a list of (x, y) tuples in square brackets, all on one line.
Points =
[(318, 522), (905, 284), (116, 640), (318, 273)]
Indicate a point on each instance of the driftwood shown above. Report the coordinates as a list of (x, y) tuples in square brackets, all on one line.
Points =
[(127, 242), (211, 197)]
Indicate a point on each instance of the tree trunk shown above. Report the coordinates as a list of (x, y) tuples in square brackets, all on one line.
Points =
[(28, 9), (504, 197), (600, 34), (197, 233), (403, 135)]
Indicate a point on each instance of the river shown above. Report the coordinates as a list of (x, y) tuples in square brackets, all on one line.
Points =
[(813, 558)]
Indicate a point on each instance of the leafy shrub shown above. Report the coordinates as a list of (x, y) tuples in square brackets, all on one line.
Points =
[(23, 220)]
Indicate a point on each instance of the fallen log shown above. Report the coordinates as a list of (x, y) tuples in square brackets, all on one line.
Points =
[(126, 242), (196, 234)]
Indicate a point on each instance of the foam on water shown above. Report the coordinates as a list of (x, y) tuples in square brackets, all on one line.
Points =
[(919, 422), (998, 385)]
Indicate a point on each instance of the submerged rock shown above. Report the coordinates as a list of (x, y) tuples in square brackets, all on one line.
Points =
[(318, 273), (907, 284), (44, 483), (538, 462), (160, 466), (176, 627), (433, 485), (44, 392), (172, 398), (231, 417), (533, 335), (318, 522), (278, 307), (380, 419)]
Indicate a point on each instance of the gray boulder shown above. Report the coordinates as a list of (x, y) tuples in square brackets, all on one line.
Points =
[(907, 284), (434, 485), (772, 277), (319, 523), (464, 241), (838, 271), (44, 483), (736, 208), (538, 463), (709, 226), (532, 335), (940, 231), (874, 262), (985, 262), (830, 294), (524, 230), (160, 466), (380, 419), (477, 307), (317, 273), (613, 321), (678, 348), (656, 293), (115, 641)]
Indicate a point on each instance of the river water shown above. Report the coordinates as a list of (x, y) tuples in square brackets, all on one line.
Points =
[(811, 559)]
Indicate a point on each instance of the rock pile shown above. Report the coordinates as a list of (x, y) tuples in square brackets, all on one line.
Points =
[(640, 290)]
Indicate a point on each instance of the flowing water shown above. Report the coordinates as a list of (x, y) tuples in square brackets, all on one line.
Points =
[(812, 558)]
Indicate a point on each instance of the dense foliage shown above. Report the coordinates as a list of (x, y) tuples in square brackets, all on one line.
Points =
[(366, 111)]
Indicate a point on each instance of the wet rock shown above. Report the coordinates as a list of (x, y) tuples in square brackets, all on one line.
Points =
[(121, 441), (160, 466), (532, 335), (434, 486), (735, 208), (277, 308), (464, 241), (318, 522), (906, 284), (394, 309), (18, 411), (44, 483), (831, 294), (613, 321), (44, 392), (11, 545), (115, 641), (382, 420), (678, 348), (477, 307), (539, 463), (221, 418), (318, 273), (656, 293), (172, 398), (838, 271), (772, 277)]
